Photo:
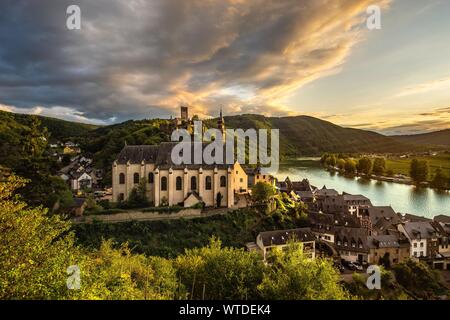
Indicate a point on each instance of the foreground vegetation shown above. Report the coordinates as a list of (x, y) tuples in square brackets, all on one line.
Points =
[(37, 250)]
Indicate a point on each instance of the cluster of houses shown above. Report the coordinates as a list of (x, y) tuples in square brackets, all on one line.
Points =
[(353, 230), (81, 175)]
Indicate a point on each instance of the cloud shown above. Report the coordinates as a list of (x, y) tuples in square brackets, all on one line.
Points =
[(441, 84), (135, 58)]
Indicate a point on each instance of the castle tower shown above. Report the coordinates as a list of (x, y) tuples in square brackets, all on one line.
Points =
[(184, 113)]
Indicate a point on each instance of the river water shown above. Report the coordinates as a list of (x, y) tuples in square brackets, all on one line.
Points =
[(403, 198)]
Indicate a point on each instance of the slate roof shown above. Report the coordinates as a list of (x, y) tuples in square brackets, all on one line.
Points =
[(161, 156), (281, 237), (383, 241), (442, 218), (383, 217), (356, 236), (420, 230), (326, 192)]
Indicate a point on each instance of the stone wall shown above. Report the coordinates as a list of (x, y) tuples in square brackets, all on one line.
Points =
[(140, 216)]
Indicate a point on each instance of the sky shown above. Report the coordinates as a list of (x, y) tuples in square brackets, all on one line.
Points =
[(140, 59)]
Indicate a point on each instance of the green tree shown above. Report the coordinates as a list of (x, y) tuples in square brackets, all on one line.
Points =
[(35, 137), (350, 166), (331, 161), (364, 165), (292, 276), (138, 197), (440, 179), (340, 164), (263, 193), (419, 279), (418, 170), (214, 272), (379, 166), (36, 249)]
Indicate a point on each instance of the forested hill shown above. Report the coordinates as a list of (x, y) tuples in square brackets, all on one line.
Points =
[(437, 138), (57, 128), (304, 135)]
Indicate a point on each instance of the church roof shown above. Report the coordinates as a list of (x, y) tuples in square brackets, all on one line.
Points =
[(161, 156)]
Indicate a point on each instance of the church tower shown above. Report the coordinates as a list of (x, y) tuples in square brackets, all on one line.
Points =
[(221, 124)]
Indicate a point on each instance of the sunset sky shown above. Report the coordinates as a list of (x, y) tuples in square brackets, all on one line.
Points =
[(142, 59)]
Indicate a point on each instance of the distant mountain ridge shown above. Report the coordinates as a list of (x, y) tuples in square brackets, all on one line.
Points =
[(305, 135), (437, 138)]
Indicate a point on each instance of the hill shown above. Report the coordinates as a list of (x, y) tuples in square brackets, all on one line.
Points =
[(304, 135), (58, 129), (437, 138)]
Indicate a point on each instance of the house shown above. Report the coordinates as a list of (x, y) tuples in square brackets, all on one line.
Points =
[(325, 192), (78, 207), (351, 243), (268, 240), (167, 182), (442, 258), (423, 237), (345, 203), (255, 175), (412, 218), (324, 225), (394, 248), (80, 180), (380, 220), (71, 150)]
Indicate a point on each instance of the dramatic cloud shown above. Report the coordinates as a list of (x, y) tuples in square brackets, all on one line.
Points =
[(138, 58)]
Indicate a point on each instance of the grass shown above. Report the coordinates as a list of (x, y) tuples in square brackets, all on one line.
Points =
[(401, 166), (170, 238)]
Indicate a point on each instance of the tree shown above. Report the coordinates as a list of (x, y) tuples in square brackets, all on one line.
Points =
[(138, 196), (350, 166), (35, 138), (418, 170), (36, 248), (292, 276), (364, 165), (341, 164), (213, 272), (440, 179), (331, 161), (262, 193), (379, 166)]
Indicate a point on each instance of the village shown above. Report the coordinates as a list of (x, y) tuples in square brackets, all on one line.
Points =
[(345, 227)]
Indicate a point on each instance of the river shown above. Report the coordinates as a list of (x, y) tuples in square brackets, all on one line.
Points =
[(403, 198)]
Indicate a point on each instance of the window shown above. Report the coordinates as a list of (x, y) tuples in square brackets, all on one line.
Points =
[(163, 184), (151, 178), (193, 183), (421, 253), (241, 180), (121, 178), (136, 178), (121, 196), (415, 244), (421, 244), (223, 181), (179, 183), (208, 184), (415, 254)]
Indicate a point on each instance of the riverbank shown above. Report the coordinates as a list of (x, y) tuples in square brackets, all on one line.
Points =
[(403, 198), (398, 178)]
